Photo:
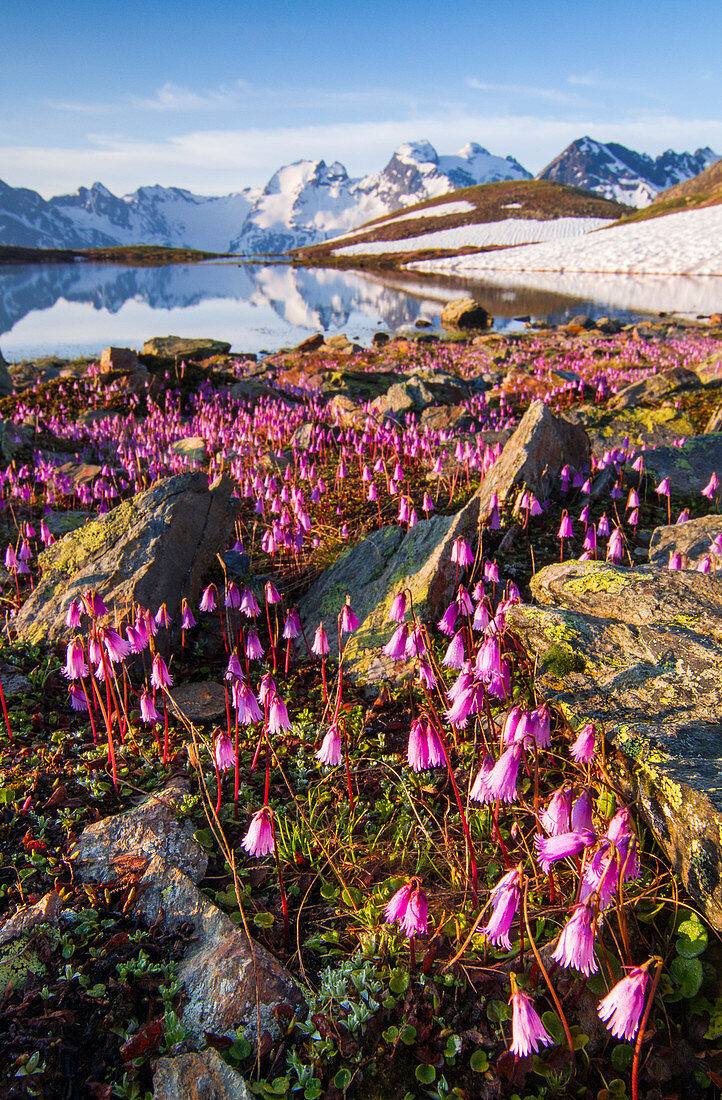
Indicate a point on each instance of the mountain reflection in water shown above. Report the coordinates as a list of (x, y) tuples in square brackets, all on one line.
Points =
[(77, 309)]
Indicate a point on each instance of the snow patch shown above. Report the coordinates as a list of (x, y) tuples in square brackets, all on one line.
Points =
[(509, 231)]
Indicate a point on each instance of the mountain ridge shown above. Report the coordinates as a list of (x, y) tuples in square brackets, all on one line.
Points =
[(308, 202)]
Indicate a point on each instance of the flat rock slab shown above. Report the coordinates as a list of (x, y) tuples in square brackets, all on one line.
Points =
[(202, 1076), (692, 539), (640, 652), (152, 549), (180, 347), (608, 429), (688, 467), (150, 829), (200, 702), (650, 390)]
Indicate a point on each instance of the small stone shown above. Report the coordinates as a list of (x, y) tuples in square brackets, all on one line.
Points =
[(193, 447), (200, 702), (203, 1076), (311, 343), (123, 359), (465, 313)]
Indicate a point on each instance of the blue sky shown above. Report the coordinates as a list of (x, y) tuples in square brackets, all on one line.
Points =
[(215, 96)]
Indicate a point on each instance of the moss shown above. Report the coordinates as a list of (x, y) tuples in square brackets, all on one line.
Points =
[(72, 552), (18, 962), (559, 660), (600, 580)]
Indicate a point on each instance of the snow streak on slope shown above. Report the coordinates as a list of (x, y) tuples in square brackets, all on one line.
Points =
[(510, 231), (686, 243)]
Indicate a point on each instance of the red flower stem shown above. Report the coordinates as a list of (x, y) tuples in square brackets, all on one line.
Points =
[(5, 712), (165, 733), (273, 643), (640, 1033), (90, 710)]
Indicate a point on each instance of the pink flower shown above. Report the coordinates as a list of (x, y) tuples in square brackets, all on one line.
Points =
[(501, 780), (77, 697), (162, 618), (505, 902), (187, 620), (621, 1009), (278, 719), (234, 670), (249, 604), (582, 812), (555, 819), (711, 487), (116, 647), (409, 908), (551, 849), (576, 942), (272, 593), (663, 489), (254, 649), (566, 531), (461, 553), (425, 748), (615, 545), (148, 711), (93, 604), (320, 642), (160, 676), (330, 751), (395, 648), (349, 621), (479, 791), (223, 751), (72, 617), (208, 600), (75, 665), (454, 656), (528, 1032), (258, 841), (583, 748), (245, 703), (397, 611)]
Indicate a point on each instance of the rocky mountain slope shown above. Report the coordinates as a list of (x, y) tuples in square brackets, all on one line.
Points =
[(310, 201), (621, 174)]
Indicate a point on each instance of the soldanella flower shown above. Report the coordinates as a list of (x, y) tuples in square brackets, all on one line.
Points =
[(148, 711), (576, 942), (320, 642), (409, 908), (330, 751), (583, 748), (505, 901), (223, 752), (501, 781), (75, 666), (395, 648), (550, 849), (425, 748), (397, 611), (349, 621), (160, 676), (480, 791), (555, 818), (461, 553), (258, 841), (245, 703), (278, 719), (621, 1009), (528, 1033)]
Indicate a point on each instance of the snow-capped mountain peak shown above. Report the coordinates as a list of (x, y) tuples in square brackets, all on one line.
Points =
[(622, 174)]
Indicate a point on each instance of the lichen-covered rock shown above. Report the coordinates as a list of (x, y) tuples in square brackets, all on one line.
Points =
[(19, 957), (650, 390), (692, 539), (640, 652), (657, 426), (148, 830), (153, 549), (203, 1076)]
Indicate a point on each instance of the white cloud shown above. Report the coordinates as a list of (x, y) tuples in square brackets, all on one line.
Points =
[(550, 94), (173, 97), (222, 160)]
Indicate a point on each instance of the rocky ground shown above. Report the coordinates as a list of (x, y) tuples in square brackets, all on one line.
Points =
[(233, 862)]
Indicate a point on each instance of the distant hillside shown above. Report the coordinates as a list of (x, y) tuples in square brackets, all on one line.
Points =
[(492, 215), (696, 193)]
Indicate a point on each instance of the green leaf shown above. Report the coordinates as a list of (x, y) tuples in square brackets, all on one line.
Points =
[(425, 1074), (479, 1061), (329, 891), (390, 1034), (496, 1011), (688, 974), (313, 1089), (264, 920), (407, 1035), (399, 982), (342, 1080), (691, 938), (554, 1026), (621, 1057)]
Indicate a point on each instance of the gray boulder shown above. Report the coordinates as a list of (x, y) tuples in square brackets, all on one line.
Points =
[(203, 1076), (640, 652), (6, 382), (155, 548), (180, 347), (688, 467), (464, 313), (692, 539)]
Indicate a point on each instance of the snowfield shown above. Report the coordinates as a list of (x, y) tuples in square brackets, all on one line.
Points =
[(509, 231), (686, 243)]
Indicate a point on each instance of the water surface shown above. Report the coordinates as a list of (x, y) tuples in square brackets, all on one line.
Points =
[(78, 309)]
